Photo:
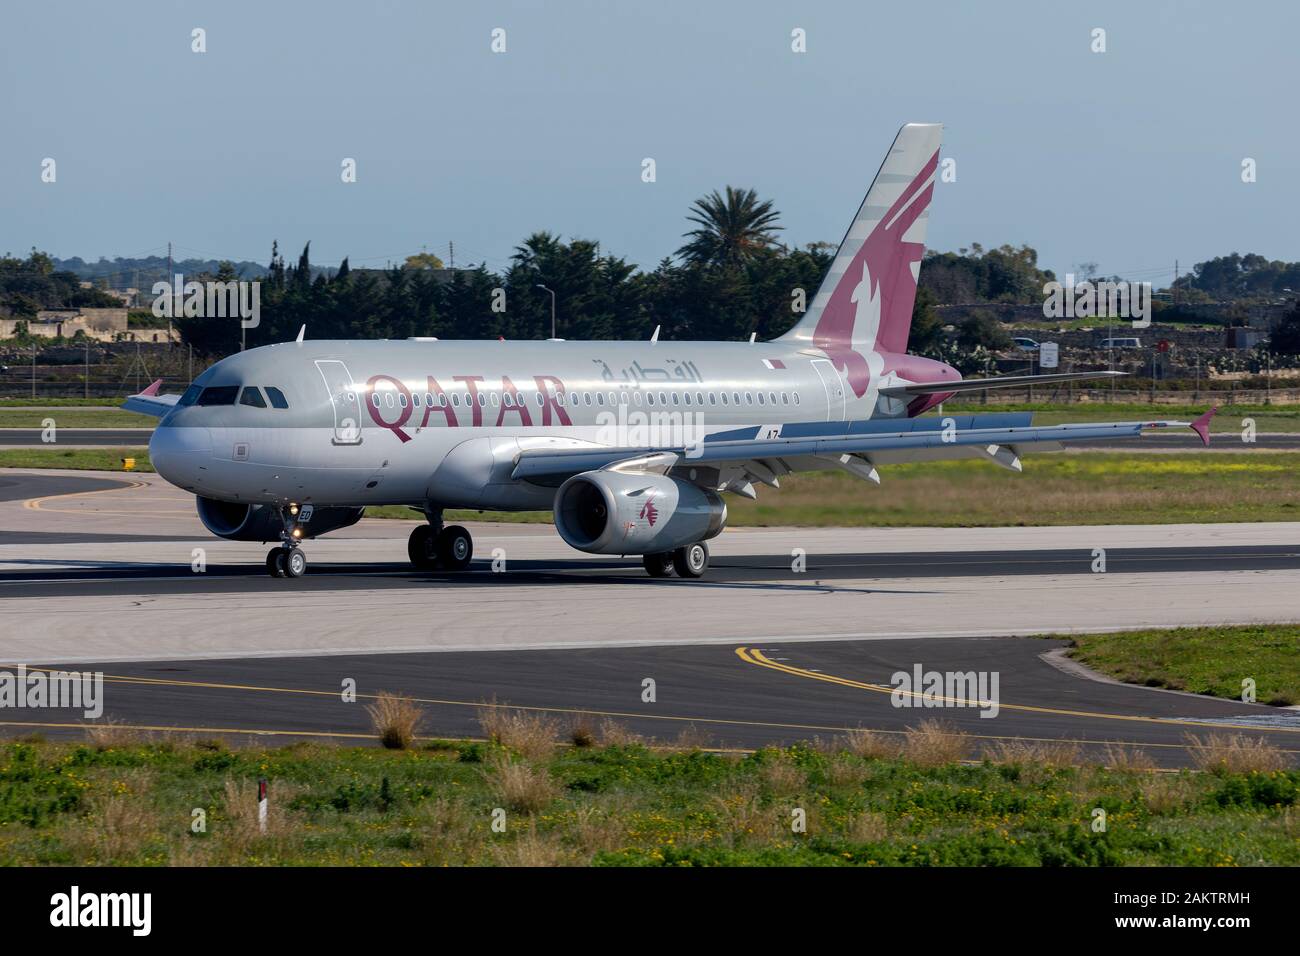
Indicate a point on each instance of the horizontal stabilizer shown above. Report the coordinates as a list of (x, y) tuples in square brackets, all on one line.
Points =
[(1001, 381), (149, 402)]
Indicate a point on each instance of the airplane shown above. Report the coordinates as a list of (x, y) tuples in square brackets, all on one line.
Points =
[(630, 445)]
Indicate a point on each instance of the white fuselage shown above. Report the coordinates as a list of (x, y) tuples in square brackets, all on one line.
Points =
[(442, 423)]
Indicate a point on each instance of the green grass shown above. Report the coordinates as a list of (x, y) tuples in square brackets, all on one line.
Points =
[(73, 418), (1268, 418), (43, 402), (132, 802), (1203, 660), (80, 459), (1055, 489)]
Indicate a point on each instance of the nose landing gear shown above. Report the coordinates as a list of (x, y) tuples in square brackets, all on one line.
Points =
[(288, 560)]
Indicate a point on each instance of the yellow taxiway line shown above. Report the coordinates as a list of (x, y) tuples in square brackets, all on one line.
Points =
[(573, 711), (753, 656)]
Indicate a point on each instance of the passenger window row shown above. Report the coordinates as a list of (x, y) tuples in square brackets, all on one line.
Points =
[(395, 399)]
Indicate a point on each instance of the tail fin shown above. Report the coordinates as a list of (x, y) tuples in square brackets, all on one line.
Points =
[(865, 301)]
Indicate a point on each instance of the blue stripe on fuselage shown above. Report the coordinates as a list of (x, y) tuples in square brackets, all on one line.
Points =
[(930, 423)]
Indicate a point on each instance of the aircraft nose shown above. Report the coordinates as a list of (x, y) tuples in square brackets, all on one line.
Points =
[(177, 452)]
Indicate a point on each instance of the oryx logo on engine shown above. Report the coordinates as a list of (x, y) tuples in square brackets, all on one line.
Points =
[(649, 512)]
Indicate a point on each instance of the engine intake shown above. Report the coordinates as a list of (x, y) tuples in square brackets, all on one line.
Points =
[(611, 512), (244, 522)]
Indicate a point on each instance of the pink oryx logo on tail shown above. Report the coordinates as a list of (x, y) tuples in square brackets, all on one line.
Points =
[(649, 512), (871, 307)]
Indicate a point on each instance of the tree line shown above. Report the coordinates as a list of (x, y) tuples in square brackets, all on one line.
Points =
[(731, 277)]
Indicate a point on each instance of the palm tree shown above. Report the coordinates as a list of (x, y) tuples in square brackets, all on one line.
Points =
[(732, 228)]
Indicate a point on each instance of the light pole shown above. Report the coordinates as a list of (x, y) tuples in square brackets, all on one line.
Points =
[(544, 289)]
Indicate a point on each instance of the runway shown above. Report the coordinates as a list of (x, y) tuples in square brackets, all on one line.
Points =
[(734, 697), (793, 634), (76, 438)]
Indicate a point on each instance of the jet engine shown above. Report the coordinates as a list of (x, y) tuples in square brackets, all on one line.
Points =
[(612, 512), (245, 522)]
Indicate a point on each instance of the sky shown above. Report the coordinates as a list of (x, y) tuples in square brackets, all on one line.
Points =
[(1130, 158)]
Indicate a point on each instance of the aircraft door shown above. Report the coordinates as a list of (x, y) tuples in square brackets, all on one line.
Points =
[(834, 389), (344, 399)]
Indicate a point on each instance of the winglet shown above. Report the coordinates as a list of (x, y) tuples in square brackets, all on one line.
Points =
[(153, 389), (1202, 425), (302, 332)]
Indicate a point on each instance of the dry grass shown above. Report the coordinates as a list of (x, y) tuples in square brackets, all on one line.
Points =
[(1121, 757), (1234, 753), (841, 772), (582, 733), (532, 736), (599, 829), (1165, 793), (519, 786), (867, 827), (394, 719), (446, 829), (933, 743), (872, 744), (743, 820), (614, 734), (782, 778), (122, 822), (109, 734), (1044, 753), (236, 833), (241, 808), (533, 849), (690, 738)]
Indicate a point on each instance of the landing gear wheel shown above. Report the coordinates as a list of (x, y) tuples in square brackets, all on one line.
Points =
[(455, 548), (659, 565), (691, 561), (295, 563), (275, 562), (422, 547)]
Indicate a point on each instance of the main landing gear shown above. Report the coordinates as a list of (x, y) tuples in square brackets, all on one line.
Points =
[(288, 560), (689, 562), (433, 547)]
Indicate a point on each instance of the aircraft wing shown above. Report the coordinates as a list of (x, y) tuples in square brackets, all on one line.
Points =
[(149, 402), (764, 453), (1000, 381)]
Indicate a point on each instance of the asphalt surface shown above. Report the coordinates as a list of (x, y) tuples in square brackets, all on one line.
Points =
[(746, 571), (738, 696), (730, 694), (77, 437), (19, 487)]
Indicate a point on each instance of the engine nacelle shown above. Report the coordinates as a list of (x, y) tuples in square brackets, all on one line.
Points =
[(612, 512), (245, 522)]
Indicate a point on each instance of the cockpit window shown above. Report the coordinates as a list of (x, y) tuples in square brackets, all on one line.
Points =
[(218, 395), (190, 395), (276, 396), (252, 396)]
